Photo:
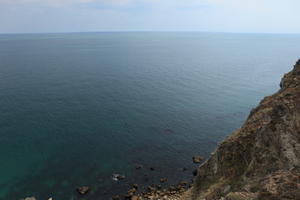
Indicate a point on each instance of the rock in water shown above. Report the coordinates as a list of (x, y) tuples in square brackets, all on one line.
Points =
[(83, 190), (197, 159), (117, 197), (138, 167), (260, 160), (30, 198), (121, 177), (117, 177), (162, 180)]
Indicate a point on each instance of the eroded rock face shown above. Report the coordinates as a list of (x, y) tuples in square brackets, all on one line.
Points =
[(261, 160)]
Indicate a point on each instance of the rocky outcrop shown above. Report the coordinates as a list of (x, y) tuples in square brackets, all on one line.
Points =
[(260, 160), (197, 159)]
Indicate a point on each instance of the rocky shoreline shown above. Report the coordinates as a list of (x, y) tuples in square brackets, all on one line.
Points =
[(153, 192), (260, 160), (161, 191)]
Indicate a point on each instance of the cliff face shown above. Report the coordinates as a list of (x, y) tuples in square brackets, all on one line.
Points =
[(261, 160)]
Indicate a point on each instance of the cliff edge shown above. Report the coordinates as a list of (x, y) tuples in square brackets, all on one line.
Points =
[(260, 160)]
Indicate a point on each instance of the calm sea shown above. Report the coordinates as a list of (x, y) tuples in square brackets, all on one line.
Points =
[(76, 108)]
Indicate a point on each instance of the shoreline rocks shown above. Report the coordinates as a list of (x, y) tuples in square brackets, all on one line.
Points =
[(162, 180), (197, 159), (117, 177), (155, 192)]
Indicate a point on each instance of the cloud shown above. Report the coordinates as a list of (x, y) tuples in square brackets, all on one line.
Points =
[(164, 3), (64, 2), (161, 15)]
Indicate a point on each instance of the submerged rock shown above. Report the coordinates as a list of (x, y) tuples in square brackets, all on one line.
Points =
[(162, 180), (169, 131), (117, 197), (138, 167), (83, 190), (183, 183)]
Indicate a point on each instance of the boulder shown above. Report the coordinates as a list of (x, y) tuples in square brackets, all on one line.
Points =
[(135, 197), (138, 167), (30, 198), (162, 180), (197, 159), (117, 177), (83, 190)]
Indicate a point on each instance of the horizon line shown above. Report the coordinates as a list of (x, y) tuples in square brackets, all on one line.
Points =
[(150, 31)]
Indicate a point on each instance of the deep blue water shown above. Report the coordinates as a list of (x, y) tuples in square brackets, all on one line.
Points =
[(75, 108)]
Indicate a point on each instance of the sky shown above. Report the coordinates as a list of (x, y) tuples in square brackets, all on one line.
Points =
[(258, 16)]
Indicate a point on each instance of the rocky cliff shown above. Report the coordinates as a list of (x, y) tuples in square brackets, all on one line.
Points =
[(261, 160)]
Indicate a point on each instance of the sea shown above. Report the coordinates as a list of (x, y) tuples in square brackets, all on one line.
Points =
[(76, 108)]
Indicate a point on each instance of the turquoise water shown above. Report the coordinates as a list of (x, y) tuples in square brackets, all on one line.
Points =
[(75, 108)]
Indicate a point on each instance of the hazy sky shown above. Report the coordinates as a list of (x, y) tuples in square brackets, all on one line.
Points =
[(275, 16)]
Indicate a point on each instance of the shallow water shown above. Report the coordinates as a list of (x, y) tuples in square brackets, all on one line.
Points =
[(76, 108)]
